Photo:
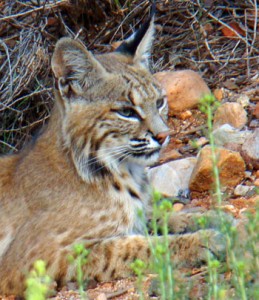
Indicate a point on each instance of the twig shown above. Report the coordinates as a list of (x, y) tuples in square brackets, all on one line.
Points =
[(26, 96), (8, 145), (9, 64), (226, 25), (24, 127), (43, 7)]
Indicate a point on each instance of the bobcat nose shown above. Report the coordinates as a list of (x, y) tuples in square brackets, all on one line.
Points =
[(161, 137)]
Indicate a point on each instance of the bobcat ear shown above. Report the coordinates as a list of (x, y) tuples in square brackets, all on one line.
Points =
[(139, 44), (75, 67)]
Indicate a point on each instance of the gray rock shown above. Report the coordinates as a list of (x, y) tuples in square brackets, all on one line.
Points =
[(172, 177), (244, 190), (243, 99), (226, 134), (250, 150), (254, 123)]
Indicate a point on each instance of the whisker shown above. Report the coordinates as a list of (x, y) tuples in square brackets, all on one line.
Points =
[(112, 154), (107, 149), (126, 155)]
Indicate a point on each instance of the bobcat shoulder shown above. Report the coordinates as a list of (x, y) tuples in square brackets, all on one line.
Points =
[(83, 180)]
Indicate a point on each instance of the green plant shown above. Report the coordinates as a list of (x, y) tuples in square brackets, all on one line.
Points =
[(167, 283), (38, 283), (139, 267), (208, 105), (237, 265), (79, 259)]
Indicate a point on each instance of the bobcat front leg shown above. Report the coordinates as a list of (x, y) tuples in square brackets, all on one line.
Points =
[(111, 258)]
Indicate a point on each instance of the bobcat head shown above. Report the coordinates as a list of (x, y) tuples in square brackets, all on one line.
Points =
[(113, 112)]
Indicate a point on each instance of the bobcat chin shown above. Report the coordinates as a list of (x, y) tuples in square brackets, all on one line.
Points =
[(83, 180)]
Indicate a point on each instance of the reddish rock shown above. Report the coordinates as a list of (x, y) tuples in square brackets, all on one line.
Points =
[(219, 94), (230, 113), (184, 89), (169, 154), (256, 110), (230, 164), (250, 150)]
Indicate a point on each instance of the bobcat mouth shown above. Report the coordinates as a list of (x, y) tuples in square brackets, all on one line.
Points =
[(145, 151), (142, 147)]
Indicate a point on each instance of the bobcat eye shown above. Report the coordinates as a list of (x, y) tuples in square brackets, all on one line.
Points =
[(160, 103), (128, 112)]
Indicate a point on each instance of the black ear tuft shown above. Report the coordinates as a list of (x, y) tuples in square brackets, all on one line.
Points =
[(129, 46)]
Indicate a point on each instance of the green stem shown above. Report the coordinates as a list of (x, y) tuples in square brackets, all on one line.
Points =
[(168, 258), (213, 154)]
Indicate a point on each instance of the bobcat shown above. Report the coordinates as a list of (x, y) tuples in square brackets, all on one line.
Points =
[(83, 180)]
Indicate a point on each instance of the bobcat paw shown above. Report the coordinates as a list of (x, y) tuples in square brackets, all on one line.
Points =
[(195, 249)]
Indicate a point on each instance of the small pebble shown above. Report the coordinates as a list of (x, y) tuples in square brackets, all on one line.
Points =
[(178, 206), (243, 100), (254, 123), (248, 174), (101, 296), (185, 115)]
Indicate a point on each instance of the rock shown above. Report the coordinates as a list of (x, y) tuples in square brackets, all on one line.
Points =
[(201, 141), (248, 174), (184, 89), (226, 134), (242, 190), (256, 110), (250, 150), (101, 296), (172, 177), (243, 99), (230, 84), (233, 147), (219, 94), (229, 208), (178, 207), (230, 113), (169, 154), (254, 123), (230, 164), (185, 115)]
